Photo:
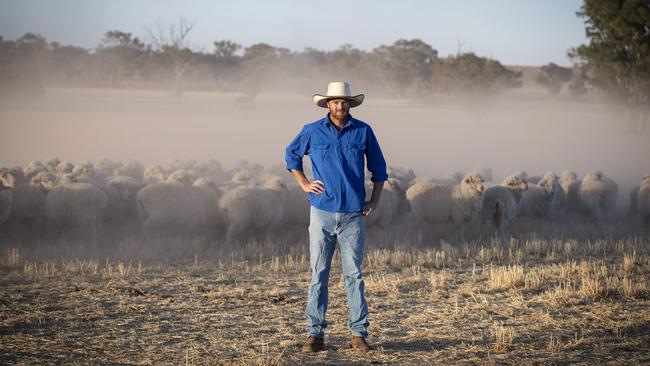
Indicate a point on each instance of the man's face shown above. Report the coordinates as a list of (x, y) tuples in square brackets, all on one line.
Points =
[(339, 108)]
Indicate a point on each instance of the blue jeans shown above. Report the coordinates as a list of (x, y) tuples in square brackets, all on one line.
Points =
[(325, 229)]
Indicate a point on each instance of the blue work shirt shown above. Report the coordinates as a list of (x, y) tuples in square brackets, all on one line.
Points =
[(337, 159)]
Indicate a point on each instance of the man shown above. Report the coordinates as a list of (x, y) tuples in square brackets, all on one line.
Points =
[(336, 146)]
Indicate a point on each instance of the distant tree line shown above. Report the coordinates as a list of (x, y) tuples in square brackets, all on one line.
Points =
[(405, 68)]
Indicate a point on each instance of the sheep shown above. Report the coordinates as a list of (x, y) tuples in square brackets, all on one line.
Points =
[(570, 186), (130, 168), (598, 195), (17, 172), (154, 174), (501, 203), (537, 200), (643, 200), (84, 168), (253, 207), (166, 208), (387, 208), (182, 177), (52, 164), (27, 214), (558, 202), (75, 207), (459, 204), (33, 168), (7, 183), (105, 168), (122, 207), (296, 212), (632, 211), (65, 167)]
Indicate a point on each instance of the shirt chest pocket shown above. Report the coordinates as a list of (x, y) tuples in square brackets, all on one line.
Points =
[(321, 152), (354, 152)]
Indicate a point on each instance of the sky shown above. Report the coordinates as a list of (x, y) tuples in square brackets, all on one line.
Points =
[(515, 32)]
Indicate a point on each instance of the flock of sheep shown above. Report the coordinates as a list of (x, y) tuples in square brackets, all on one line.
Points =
[(59, 199)]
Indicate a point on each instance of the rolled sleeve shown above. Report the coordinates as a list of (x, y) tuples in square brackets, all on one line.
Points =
[(375, 158), (297, 148)]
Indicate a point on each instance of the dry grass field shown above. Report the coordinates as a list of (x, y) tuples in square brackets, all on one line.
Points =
[(523, 299)]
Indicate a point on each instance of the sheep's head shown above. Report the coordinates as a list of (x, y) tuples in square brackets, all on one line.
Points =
[(7, 180), (182, 177), (33, 168), (645, 181), (516, 182), (568, 176), (522, 174), (550, 184), (595, 175), (64, 167), (84, 168), (276, 184), (242, 176), (45, 180), (473, 182), (52, 164), (154, 174)]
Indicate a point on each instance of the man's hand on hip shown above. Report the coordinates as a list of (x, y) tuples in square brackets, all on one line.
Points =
[(315, 186)]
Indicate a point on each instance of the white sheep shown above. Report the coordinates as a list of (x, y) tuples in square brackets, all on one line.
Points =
[(537, 200), (154, 174), (643, 200), (459, 204), (75, 207), (501, 203), (182, 177), (105, 168), (64, 167), (486, 173), (122, 206), (28, 211), (84, 168), (170, 208), (296, 212), (33, 168), (52, 164), (254, 208), (570, 185), (387, 207), (598, 195), (7, 183), (130, 168)]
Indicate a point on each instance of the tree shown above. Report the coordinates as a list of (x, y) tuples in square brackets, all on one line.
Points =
[(618, 53), (24, 65), (406, 64), (469, 75), (121, 55), (578, 86), (171, 40), (552, 77)]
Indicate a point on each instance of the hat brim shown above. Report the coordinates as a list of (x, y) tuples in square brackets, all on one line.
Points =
[(321, 100)]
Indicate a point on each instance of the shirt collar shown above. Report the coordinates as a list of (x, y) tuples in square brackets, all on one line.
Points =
[(326, 121)]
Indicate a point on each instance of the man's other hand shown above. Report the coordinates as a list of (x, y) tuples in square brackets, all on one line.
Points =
[(368, 208)]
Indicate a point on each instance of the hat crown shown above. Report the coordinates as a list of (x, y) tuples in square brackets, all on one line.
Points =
[(338, 88)]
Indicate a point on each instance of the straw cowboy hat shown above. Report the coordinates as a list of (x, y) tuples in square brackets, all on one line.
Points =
[(338, 90)]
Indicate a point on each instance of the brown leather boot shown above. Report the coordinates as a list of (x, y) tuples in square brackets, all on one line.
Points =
[(360, 344), (313, 344)]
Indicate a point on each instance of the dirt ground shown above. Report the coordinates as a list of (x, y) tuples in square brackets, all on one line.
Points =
[(494, 301)]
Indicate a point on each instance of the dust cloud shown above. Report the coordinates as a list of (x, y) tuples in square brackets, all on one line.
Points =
[(518, 131)]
